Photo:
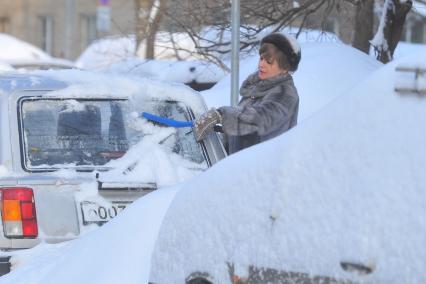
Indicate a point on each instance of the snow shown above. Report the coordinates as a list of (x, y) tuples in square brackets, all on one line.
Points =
[(89, 84), (107, 51), (167, 70), (149, 161), (347, 184), (378, 41), (404, 49), (12, 49), (118, 55), (3, 171), (5, 67), (326, 71), (122, 257), (22, 54), (419, 8)]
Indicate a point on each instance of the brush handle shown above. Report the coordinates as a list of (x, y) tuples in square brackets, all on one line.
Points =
[(166, 121)]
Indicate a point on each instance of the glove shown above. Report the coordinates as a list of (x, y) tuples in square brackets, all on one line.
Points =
[(205, 124)]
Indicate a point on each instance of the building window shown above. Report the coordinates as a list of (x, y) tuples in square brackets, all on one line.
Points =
[(4, 25), (47, 33), (418, 32), (87, 30), (331, 25)]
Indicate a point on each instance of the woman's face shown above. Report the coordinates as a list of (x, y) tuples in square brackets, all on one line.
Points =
[(268, 68)]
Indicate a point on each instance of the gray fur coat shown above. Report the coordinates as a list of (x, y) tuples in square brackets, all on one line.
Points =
[(267, 109)]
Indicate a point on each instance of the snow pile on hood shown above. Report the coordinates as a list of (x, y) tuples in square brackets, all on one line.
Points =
[(13, 49), (348, 184), (326, 71)]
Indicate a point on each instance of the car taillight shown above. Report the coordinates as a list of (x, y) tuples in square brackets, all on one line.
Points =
[(18, 212)]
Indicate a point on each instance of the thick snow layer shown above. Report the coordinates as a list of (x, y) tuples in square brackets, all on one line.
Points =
[(149, 161), (348, 184), (12, 49), (23, 55), (104, 52), (326, 71), (86, 84), (414, 61), (175, 71), (107, 51), (405, 49)]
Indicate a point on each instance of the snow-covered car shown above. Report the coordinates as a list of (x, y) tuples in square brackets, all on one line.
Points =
[(339, 199), (25, 56), (341, 196), (74, 151), (53, 63)]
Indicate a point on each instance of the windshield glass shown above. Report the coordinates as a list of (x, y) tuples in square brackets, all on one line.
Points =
[(60, 133)]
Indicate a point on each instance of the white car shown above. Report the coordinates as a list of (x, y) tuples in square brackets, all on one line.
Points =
[(74, 151)]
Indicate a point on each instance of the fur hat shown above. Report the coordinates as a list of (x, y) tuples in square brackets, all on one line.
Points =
[(288, 45)]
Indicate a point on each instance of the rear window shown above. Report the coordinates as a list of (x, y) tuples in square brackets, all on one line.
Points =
[(72, 133)]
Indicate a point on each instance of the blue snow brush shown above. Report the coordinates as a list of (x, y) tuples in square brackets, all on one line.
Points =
[(166, 121)]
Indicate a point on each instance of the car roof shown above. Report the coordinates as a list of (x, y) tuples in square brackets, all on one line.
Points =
[(12, 82), (75, 83)]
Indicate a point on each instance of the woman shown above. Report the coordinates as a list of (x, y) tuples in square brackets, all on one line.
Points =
[(269, 104)]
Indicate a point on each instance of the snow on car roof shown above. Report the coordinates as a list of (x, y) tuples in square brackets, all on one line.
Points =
[(86, 84)]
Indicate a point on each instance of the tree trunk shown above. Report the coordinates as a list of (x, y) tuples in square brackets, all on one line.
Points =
[(392, 23), (149, 16), (364, 20), (154, 26), (142, 17)]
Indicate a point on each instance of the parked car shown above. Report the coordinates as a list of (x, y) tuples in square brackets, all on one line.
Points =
[(339, 199), (23, 55), (74, 151), (53, 63)]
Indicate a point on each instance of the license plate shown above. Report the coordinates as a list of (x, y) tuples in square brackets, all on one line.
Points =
[(95, 213)]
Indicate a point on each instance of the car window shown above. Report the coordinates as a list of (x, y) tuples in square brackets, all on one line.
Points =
[(90, 133)]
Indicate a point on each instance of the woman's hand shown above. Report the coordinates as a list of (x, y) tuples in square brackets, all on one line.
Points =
[(205, 124)]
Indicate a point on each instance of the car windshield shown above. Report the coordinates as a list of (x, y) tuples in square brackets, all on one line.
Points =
[(61, 133)]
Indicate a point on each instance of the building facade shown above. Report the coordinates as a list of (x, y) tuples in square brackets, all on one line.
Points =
[(64, 28)]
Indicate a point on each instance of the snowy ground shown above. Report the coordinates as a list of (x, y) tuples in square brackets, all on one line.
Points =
[(346, 184)]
